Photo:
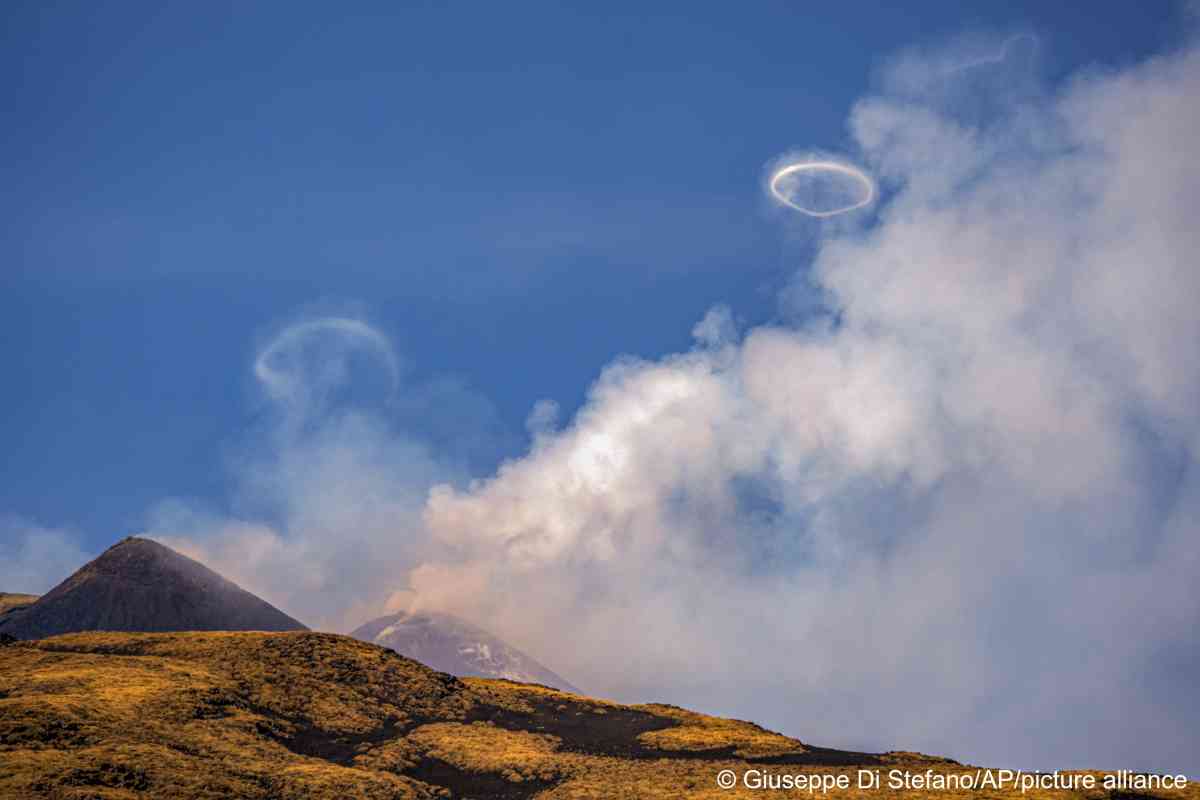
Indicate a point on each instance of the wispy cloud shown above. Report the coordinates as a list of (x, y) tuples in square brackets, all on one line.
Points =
[(34, 558)]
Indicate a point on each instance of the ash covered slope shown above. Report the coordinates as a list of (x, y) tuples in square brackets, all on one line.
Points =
[(141, 585), (450, 644)]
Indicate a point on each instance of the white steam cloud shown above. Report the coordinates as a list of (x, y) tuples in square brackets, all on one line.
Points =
[(962, 516)]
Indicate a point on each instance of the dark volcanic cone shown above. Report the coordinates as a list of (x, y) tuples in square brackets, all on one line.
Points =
[(449, 644), (140, 585)]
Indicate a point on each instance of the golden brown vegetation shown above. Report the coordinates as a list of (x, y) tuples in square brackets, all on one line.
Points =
[(9, 600), (13, 604), (307, 715)]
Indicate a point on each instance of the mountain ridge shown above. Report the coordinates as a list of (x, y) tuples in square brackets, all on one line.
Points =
[(321, 716)]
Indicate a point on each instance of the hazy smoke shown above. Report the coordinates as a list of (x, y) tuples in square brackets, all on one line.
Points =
[(328, 492), (33, 558)]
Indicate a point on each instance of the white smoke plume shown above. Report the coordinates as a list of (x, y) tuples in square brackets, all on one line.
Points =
[(963, 515)]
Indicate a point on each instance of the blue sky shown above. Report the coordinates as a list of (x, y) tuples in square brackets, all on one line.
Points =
[(180, 178)]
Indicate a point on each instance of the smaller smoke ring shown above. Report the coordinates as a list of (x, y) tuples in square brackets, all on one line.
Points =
[(831, 166), (280, 383)]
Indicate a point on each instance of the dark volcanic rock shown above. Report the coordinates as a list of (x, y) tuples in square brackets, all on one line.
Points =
[(141, 585), (449, 644)]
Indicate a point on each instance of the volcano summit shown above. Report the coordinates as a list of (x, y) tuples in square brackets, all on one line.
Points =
[(141, 585)]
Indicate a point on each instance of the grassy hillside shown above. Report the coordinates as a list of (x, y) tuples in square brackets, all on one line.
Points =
[(308, 715), (11, 604), (9, 600)]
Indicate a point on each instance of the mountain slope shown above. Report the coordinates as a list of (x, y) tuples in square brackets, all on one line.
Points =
[(449, 644), (308, 715), (12, 605), (141, 585)]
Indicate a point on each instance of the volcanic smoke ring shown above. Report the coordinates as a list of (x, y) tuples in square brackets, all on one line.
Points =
[(277, 381), (831, 166)]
